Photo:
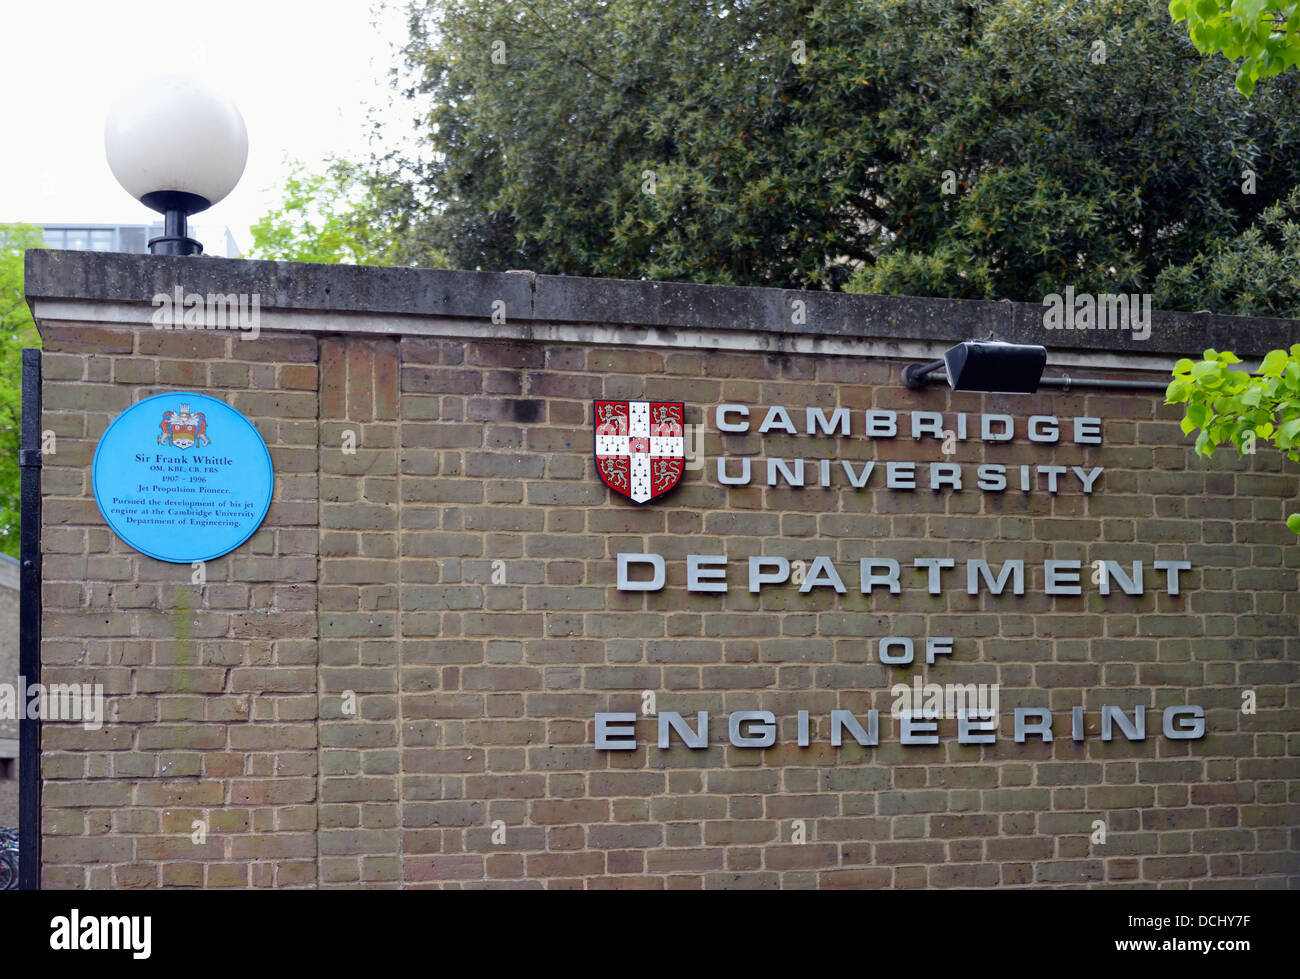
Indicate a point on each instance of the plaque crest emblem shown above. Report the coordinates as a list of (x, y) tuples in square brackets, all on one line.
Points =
[(183, 429), (640, 447)]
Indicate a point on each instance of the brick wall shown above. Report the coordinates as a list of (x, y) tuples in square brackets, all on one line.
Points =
[(350, 699), (474, 700), (211, 711)]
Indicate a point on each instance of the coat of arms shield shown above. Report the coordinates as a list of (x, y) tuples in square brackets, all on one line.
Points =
[(640, 447), (183, 428)]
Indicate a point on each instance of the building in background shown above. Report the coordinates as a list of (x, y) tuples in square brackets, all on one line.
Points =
[(133, 238)]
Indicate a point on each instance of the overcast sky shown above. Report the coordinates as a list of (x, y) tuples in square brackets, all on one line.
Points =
[(303, 73)]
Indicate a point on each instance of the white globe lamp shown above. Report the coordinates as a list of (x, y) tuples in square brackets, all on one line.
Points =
[(178, 148)]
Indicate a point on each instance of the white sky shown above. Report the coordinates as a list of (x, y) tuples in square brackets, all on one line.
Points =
[(303, 73)]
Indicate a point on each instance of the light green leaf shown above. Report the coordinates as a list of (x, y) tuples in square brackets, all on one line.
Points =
[(1273, 364)]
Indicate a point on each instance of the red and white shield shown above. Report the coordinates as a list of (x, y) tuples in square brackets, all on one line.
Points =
[(640, 447)]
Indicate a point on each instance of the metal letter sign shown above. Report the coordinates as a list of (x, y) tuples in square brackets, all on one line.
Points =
[(182, 477), (640, 447)]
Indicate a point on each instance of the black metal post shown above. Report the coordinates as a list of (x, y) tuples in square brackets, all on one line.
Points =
[(175, 239), (29, 626), (175, 206)]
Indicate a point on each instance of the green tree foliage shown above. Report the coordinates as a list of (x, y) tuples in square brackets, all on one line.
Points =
[(805, 144), (1073, 170), (1257, 273), (342, 214), (1264, 34), (17, 330), (1240, 408)]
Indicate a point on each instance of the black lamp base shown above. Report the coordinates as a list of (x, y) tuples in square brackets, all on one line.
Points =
[(175, 206), (175, 244)]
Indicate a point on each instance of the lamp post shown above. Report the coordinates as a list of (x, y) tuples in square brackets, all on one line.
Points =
[(178, 148)]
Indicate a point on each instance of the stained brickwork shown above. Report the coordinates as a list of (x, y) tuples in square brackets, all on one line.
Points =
[(211, 713), (393, 682)]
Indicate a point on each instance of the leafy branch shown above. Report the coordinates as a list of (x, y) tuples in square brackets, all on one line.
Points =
[(1240, 408), (1265, 34)]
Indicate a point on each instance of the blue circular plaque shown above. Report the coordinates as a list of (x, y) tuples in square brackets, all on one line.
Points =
[(182, 477)]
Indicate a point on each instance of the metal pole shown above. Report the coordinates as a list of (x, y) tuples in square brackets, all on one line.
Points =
[(175, 239), (1102, 384), (29, 625), (921, 374), (915, 375), (175, 206)]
